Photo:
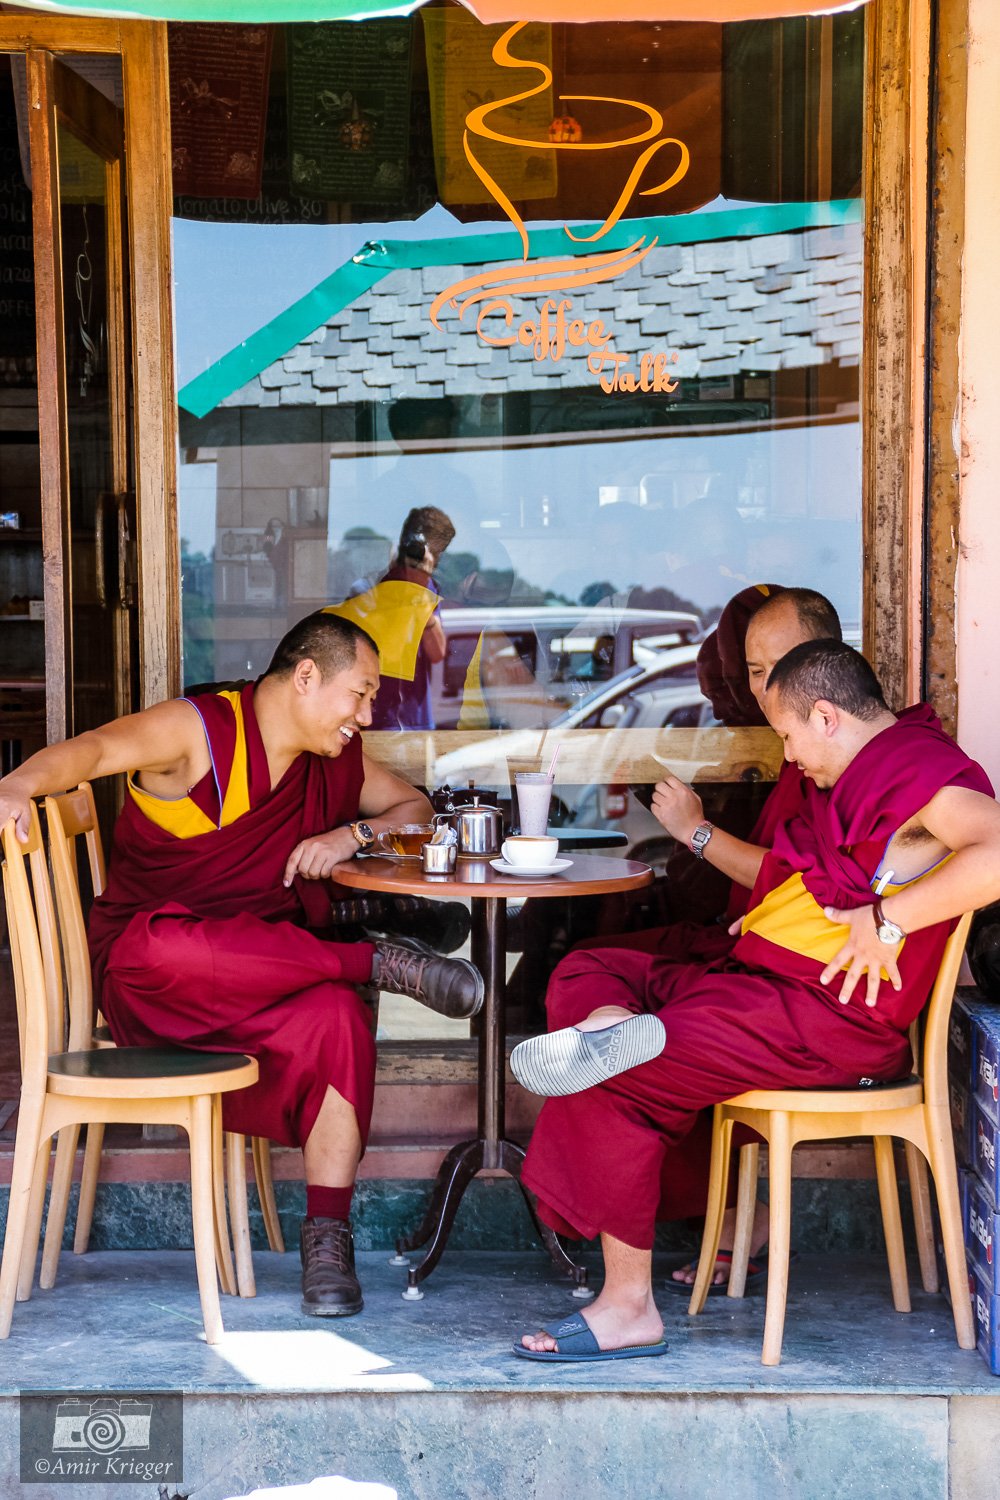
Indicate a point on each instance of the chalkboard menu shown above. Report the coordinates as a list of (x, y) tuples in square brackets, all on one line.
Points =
[(275, 203), (218, 103), (17, 267), (349, 109)]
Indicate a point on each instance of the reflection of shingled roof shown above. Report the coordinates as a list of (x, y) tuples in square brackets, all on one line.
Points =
[(773, 302)]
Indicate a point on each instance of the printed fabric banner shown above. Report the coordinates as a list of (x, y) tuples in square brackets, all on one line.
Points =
[(219, 79), (463, 79), (255, 11), (349, 110)]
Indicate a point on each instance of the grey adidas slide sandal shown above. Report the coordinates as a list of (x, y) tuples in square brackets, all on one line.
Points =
[(569, 1061)]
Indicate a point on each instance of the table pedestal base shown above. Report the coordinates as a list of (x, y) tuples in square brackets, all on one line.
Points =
[(459, 1167)]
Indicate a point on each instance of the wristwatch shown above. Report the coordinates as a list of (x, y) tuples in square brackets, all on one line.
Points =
[(364, 833), (888, 932), (700, 838)]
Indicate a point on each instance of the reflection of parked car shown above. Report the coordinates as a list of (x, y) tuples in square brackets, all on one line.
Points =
[(553, 657), (664, 695)]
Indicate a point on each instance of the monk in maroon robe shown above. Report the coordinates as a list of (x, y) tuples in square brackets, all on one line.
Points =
[(850, 911), (240, 806), (755, 630)]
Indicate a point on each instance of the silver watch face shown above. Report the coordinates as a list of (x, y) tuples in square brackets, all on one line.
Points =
[(889, 933)]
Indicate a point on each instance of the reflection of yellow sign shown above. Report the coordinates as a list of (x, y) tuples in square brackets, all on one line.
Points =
[(556, 329)]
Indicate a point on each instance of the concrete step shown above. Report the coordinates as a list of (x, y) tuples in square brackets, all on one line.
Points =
[(427, 1397)]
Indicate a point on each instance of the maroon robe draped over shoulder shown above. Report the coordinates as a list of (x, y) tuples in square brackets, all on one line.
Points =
[(197, 942)]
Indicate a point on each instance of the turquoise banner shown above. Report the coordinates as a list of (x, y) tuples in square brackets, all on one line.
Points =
[(379, 258), (243, 11)]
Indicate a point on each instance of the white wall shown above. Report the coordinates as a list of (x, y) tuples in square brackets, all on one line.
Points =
[(977, 425)]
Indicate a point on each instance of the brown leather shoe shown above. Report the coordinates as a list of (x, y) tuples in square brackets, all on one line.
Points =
[(451, 986), (330, 1288)]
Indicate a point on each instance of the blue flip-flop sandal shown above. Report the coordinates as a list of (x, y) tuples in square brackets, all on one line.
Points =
[(569, 1061), (756, 1275), (578, 1346)]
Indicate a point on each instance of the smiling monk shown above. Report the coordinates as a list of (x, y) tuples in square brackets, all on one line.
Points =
[(240, 807)]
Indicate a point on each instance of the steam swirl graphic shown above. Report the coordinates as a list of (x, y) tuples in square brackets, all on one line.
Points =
[(476, 125)]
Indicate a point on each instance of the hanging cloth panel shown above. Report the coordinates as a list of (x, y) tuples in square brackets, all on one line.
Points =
[(463, 76), (218, 104), (349, 110), (246, 12)]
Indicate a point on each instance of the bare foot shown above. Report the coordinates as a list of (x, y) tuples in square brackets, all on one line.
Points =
[(607, 1015), (758, 1239), (614, 1325)]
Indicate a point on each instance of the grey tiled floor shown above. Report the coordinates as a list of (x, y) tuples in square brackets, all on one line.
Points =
[(132, 1319)]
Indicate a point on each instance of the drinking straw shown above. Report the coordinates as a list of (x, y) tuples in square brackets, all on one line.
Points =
[(551, 773)]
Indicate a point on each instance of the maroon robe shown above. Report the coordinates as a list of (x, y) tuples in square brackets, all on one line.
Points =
[(197, 942), (685, 1169), (758, 1018)]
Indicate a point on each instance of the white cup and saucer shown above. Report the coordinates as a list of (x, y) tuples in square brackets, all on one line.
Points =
[(530, 857)]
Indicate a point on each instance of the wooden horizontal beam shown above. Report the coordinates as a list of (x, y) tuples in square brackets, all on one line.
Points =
[(587, 756)]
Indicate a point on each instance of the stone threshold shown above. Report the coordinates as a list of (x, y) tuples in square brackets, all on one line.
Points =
[(427, 1397)]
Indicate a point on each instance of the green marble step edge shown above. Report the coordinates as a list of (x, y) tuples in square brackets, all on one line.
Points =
[(827, 1215)]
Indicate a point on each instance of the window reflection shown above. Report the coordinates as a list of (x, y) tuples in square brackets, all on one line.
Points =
[(604, 509)]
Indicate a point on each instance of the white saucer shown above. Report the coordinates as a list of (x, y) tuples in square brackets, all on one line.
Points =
[(531, 872)]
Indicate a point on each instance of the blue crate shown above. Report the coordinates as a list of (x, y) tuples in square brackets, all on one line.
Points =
[(960, 1107), (982, 1233), (986, 1058), (960, 1042), (985, 1142), (986, 1316)]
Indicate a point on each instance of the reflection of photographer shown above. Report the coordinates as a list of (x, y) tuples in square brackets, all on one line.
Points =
[(427, 532)]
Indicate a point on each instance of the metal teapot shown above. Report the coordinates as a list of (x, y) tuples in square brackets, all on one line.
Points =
[(446, 799), (478, 825)]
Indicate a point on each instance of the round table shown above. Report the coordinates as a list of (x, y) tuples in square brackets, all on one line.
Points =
[(588, 875)]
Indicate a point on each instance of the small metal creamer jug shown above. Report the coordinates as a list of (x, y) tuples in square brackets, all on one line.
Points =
[(479, 828)]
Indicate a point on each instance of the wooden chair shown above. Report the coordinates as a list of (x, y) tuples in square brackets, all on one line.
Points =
[(916, 1110), (60, 1091), (70, 817)]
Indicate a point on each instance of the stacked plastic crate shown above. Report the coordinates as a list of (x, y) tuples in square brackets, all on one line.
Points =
[(973, 1078)]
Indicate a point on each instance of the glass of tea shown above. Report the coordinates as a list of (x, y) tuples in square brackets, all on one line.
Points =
[(408, 840)]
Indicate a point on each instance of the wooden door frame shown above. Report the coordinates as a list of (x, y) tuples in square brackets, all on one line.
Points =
[(893, 408), (142, 46)]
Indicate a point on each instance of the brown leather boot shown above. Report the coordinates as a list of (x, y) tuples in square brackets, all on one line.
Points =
[(451, 986), (330, 1288)]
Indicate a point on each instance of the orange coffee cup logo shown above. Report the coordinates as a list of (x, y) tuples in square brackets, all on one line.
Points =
[(555, 330)]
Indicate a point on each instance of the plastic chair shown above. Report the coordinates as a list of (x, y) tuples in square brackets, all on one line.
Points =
[(915, 1109), (69, 817), (64, 1090)]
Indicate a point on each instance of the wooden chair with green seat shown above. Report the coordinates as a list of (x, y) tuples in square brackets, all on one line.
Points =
[(70, 817), (915, 1110), (63, 1090)]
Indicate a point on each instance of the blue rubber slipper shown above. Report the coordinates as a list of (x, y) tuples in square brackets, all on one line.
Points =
[(756, 1274), (578, 1346)]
